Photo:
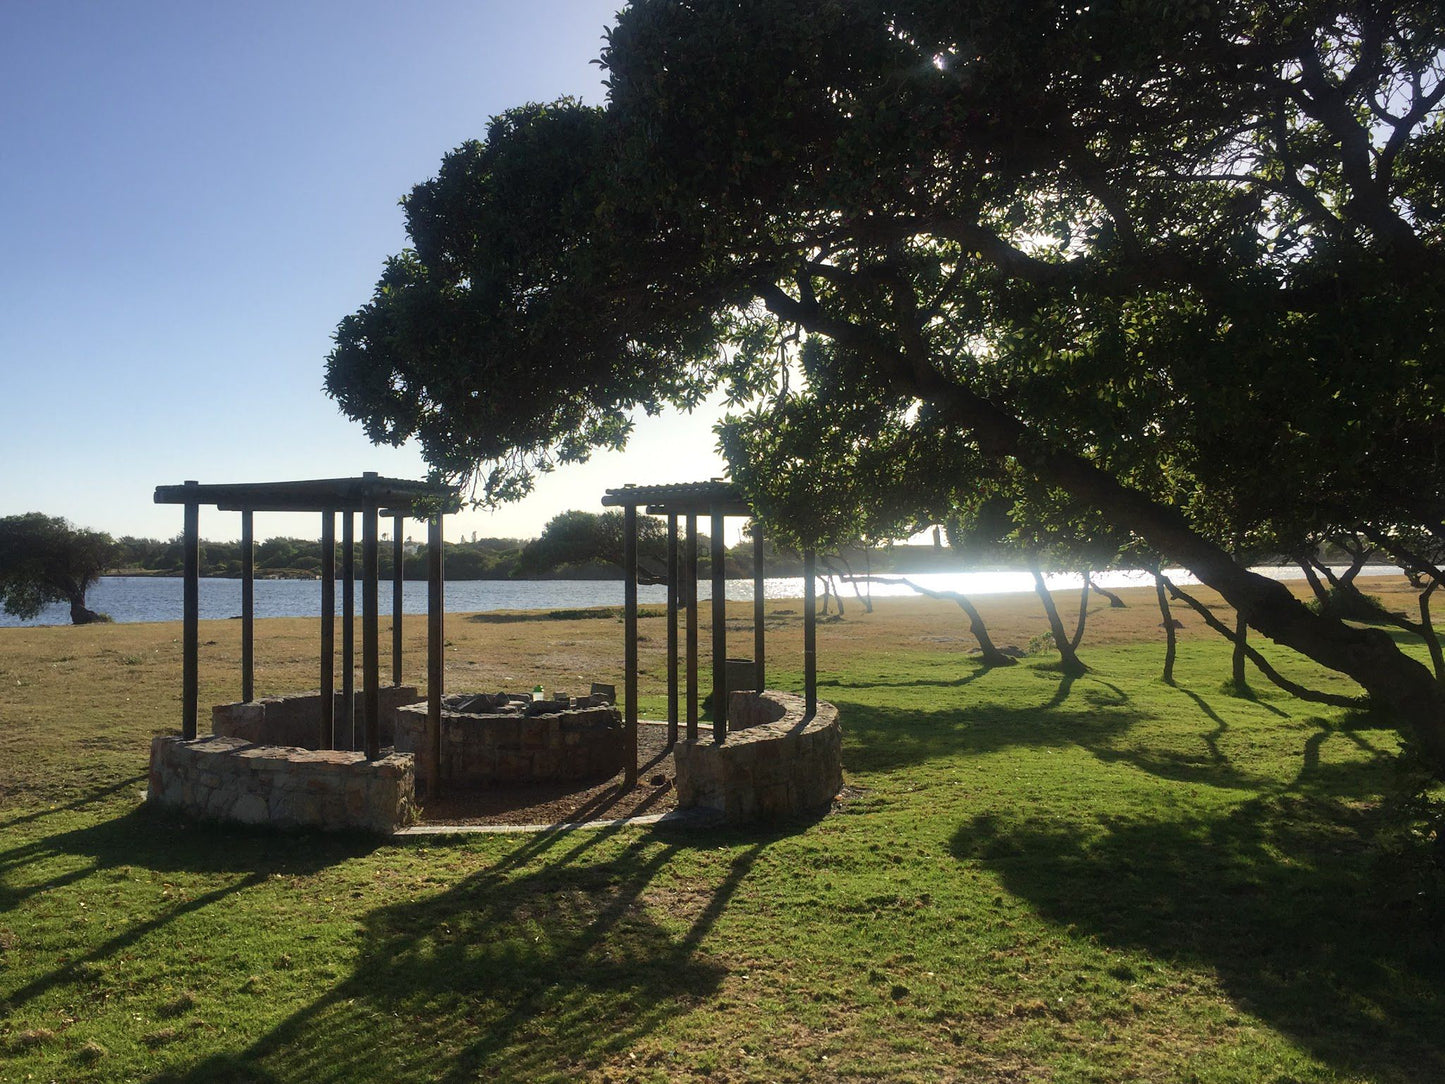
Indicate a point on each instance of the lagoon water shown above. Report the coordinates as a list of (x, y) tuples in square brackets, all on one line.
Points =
[(158, 598)]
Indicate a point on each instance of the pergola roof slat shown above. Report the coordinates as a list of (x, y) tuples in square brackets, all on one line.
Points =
[(397, 495), (681, 498)]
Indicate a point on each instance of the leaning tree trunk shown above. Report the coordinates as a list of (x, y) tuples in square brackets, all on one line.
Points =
[(1395, 682), (1078, 636), (1169, 637), (989, 654), (1068, 659), (1115, 602), (1432, 641)]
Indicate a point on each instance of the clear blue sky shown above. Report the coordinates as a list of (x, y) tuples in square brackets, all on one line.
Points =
[(193, 194)]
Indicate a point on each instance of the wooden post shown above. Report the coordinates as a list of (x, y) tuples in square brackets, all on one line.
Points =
[(435, 644), (348, 631), (719, 632), (328, 630), (398, 558), (248, 606), (759, 668), (370, 632), (629, 610), (672, 629), (810, 635), (190, 617), (690, 577)]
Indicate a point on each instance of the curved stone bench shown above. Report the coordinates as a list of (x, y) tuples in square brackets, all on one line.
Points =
[(775, 763), (229, 779)]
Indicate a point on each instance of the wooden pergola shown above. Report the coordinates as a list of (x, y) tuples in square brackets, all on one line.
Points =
[(715, 500), (371, 496)]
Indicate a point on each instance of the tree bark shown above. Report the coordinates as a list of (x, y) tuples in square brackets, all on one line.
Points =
[(1170, 640), (1238, 677), (1068, 660), (1078, 636), (1115, 602), (1432, 641), (847, 577), (1321, 592), (80, 615)]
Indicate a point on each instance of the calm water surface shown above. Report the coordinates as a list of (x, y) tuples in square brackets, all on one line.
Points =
[(153, 598)]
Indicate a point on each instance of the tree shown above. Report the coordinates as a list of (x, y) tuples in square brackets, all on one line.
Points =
[(584, 540), (1163, 258), (45, 559)]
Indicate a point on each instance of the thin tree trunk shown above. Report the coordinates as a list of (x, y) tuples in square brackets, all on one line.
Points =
[(1321, 592), (1427, 626), (1357, 562), (1083, 613), (848, 578), (1115, 602), (1169, 638), (1241, 633), (988, 653), (1068, 660)]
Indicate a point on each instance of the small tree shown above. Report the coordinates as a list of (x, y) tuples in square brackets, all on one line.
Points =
[(45, 559)]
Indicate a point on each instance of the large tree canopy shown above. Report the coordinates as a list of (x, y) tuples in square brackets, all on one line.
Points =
[(45, 559), (1180, 263)]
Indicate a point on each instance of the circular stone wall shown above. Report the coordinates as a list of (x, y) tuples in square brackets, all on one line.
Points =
[(538, 742), (775, 761)]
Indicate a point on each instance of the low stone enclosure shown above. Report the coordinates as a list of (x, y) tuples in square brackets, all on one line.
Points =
[(296, 720), (775, 763), (262, 765), (510, 738), (229, 779)]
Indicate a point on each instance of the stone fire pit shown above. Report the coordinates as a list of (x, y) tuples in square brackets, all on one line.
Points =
[(509, 738)]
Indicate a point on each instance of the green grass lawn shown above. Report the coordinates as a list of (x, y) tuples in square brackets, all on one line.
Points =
[(1031, 878)]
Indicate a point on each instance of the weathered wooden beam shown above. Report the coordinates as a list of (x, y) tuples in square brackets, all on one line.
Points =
[(347, 739), (629, 676), (672, 601), (435, 645), (248, 606), (328, 630), (398, 558), (190, 617), (810, 634), (690, 650), (370, 633), (719, 632), (759, 592)]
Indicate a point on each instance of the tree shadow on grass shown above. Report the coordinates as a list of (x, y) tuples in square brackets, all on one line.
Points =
[(911, 683), (163, 843), (522, 972), (89, 798), (168, 842), (1275, 898), (1085, 712)]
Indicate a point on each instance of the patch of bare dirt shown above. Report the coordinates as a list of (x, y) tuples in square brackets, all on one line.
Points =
[(568, 803)]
